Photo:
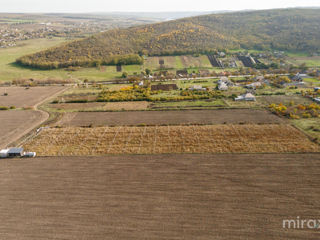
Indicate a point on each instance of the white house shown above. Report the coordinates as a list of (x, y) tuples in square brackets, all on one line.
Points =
[(222, 86), (246, 97), (253, 85)]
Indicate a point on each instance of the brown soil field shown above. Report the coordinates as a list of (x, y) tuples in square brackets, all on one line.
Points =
[(100, 106), (23, 97), (15, 124), (253, 138), (233, 116), (159, 197)]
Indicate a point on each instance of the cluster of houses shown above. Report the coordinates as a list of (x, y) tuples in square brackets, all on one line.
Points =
[(16, 153), (224, 83)]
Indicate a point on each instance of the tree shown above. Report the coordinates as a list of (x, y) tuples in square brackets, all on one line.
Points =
[(124, 75), (148, 71)]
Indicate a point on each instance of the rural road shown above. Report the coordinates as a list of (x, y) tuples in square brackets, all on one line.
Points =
[(20, 131)]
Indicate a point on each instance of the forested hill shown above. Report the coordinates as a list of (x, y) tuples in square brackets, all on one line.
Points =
[(287, 29)]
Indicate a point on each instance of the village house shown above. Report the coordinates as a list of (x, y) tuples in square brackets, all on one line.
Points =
[(299, 77), (317, 100), (222, 86), (182, 73), (225, 80), (246, 97), (253, 85)]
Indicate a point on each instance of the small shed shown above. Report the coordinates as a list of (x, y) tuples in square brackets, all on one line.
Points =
[(119, 68), (246, 97), (15, 152), (4, 153)]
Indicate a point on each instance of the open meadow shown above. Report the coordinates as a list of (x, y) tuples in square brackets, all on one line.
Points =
[(182, 197), (178, 62)]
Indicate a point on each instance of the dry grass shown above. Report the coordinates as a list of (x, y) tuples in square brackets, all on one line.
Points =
[(253, 138)]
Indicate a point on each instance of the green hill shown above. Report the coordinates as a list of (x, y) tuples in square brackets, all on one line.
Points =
[(288, 29)]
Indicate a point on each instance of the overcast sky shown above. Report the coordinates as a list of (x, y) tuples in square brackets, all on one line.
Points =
[(146, 5)]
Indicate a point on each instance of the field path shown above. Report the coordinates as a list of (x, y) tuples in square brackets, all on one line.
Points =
[(18, 123)]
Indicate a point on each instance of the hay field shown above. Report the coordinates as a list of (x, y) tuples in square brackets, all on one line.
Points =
[(221, 116), (181, 197), (249, 138), (26, 97)]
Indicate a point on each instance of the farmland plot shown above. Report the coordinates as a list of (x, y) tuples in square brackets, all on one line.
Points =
[(234, 116), (26, 97), (250, 138), (138, 197), (15, 124)]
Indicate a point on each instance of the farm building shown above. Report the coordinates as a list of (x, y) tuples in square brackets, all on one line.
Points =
[(215, 62), (316, 89), (222, 86), (183, 72), (247, 61), (15, 152), (164, 87), (246, 97), (226, 80), (4, 153), (299, 77), (254, 85), (259, 78)]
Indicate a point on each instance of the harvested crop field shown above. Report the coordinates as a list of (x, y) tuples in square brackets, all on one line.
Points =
[(101, 106), (253, 138), (233, 116), (221, 197), (26, 97), (15, 124)]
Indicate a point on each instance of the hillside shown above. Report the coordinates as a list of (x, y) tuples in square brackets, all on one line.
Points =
[(289, 29)]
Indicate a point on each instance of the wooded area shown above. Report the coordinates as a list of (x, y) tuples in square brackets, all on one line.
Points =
[(290, 29)]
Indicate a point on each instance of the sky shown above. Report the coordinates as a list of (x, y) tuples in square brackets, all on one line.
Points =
[(72, 6)]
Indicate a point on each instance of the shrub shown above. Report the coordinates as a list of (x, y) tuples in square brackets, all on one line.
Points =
[(2, 108)]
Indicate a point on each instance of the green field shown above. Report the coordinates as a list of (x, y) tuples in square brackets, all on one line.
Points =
[(178, 62), (10, 71), (190, 104), (310, 126)]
